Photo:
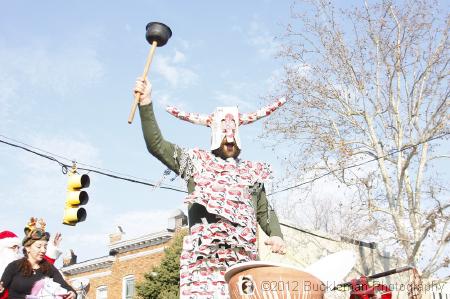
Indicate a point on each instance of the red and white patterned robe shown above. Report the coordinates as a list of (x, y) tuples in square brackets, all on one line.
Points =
[(223, 187)]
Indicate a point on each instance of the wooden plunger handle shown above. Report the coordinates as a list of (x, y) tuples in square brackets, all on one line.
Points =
[(144, 75)]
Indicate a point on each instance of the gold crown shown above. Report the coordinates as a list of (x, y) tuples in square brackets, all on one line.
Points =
[(34, 224)]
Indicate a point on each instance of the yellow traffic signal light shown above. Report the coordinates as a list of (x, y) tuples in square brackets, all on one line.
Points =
[(76, 197)]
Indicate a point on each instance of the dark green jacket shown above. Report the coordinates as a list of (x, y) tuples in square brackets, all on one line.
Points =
[(169, 154)]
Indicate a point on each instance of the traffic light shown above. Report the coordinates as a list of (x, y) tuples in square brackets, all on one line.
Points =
[(76, 197)]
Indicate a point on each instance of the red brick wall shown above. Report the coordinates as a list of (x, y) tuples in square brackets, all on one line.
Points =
[(119, 269)]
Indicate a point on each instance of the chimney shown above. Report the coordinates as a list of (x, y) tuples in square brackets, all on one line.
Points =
[(117, 236), (176, 221), (70, 258)]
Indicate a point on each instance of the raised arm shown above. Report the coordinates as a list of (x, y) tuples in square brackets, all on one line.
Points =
[(53, 251), (168, 153)]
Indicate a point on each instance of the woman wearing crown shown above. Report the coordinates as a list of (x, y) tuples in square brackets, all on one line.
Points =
[(226, 196), (20, 276)]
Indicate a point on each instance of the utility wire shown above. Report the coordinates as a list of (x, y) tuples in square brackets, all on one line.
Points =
[(71, 160), (34, 152), (36, 148), (67, 166), (140, 181), (359, 164), (133, 180)]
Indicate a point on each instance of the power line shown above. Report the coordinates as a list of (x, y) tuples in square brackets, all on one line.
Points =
[(359, 164), (36, 148), (71, 160), (51, 156), (133, 179)]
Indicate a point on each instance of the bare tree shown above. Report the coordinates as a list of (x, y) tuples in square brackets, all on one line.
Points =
[(371, 83)]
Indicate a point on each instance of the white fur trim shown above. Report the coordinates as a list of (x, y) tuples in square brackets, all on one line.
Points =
[(53, 252), (10, 242)]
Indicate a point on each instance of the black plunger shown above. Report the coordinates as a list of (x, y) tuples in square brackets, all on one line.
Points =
[(157, 34)]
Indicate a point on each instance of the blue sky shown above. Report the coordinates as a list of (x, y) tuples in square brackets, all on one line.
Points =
[(67, 70)]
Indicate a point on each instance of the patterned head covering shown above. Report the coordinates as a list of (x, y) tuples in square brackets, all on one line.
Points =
[(35, 231), (225, 121)]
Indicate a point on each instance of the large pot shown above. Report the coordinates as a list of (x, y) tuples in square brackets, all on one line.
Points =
[(270, 280)]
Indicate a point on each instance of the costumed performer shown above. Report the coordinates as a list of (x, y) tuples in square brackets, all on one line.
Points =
[(226, 195)]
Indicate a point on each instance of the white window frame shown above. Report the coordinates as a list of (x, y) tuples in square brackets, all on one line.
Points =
[(125, 279), (101, 289)]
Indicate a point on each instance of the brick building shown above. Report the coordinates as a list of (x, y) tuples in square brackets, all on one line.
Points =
[(114, 275)]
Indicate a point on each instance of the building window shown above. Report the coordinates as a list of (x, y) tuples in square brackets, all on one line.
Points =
[(101, 293), (128, 287)]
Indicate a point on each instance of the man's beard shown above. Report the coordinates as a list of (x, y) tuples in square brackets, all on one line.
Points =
[(220, 152), (7, 255)]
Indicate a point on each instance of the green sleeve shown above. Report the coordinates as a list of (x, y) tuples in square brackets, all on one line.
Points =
[(266, 216), (166, 152)]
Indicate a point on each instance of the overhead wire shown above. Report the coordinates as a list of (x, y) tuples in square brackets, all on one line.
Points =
[(134, 179), (109, 173), (358, 164)]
